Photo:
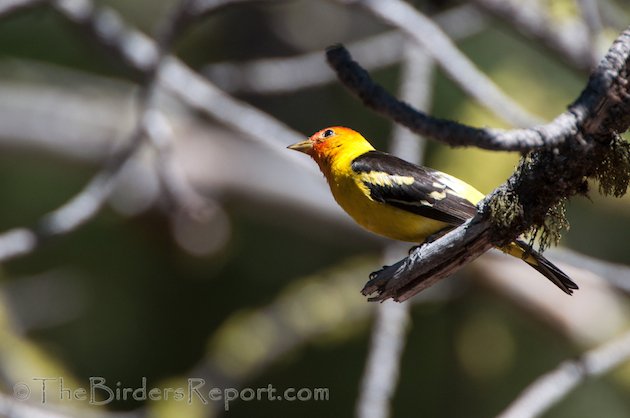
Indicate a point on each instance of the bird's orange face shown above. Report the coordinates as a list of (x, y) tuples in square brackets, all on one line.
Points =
[(325, 142)]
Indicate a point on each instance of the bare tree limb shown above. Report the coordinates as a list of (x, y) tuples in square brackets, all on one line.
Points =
[(431, 263), (589, 10), (141, 53), (84, 124), (283, 75), (74, 213), (148, 57), (174, 182), (552, 387), (8, 7), (452, 133), (87, 203), (382, 369), (553, 176), (200, 94), (455, 64), (202, 8), (613, 14), (11, 408), (571, 42)]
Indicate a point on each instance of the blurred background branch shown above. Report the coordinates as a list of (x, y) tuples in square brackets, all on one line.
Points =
[(572, 42), (550, 388), (382, 370)]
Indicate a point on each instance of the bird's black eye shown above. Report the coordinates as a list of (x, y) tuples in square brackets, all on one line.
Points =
[(328, 132)]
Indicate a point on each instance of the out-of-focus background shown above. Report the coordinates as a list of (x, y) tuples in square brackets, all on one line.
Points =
[(219, 254)]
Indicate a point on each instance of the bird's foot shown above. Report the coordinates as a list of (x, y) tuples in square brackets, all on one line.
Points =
[(412, 249), (374, 274)]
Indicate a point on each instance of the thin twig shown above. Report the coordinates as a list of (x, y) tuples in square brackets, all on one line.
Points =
[(210, 156), (452, 61), (550, 388)]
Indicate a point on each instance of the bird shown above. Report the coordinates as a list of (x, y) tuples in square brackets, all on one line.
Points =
[(401, 200)]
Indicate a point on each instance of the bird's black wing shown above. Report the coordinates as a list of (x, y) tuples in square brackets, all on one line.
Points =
[(413, 188)]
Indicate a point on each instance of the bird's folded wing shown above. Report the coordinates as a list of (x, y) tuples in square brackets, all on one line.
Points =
[(413, 188)]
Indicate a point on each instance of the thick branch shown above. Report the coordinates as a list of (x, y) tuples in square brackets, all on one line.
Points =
[(431, 263), (550, 176), (601, 82), (453, 62)]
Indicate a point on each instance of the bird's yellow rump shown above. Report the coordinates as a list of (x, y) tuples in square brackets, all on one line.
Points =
[(400, 200)]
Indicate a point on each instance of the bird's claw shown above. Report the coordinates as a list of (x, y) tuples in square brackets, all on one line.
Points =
[(374, 274), (412, 249)]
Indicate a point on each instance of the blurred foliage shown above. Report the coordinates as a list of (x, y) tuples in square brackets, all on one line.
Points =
[(151, 309)]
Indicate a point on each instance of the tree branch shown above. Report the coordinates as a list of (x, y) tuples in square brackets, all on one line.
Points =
[(540, 184), (9, 7), (88, 202), (309, 70), (601, 83), (382, 368), (141, 52), (552, 387), (570, 42), (454, 63), (431, 263)]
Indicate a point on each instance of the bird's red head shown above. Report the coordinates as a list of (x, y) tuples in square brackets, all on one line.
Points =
[(327, 143)]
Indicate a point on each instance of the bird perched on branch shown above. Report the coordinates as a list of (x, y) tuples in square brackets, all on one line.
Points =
[(400, 200)]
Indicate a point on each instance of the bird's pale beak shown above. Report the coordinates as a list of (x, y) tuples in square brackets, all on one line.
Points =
[(304, 146)]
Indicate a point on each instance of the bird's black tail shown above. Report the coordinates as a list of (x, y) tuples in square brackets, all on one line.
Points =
[(544, 267)]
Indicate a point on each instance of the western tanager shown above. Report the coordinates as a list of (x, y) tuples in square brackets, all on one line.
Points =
[(400, 200)]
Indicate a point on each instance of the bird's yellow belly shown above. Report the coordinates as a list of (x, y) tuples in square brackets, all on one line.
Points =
[(384, 219)]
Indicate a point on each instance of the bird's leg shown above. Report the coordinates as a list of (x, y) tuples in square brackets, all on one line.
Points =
[(428, 240)]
